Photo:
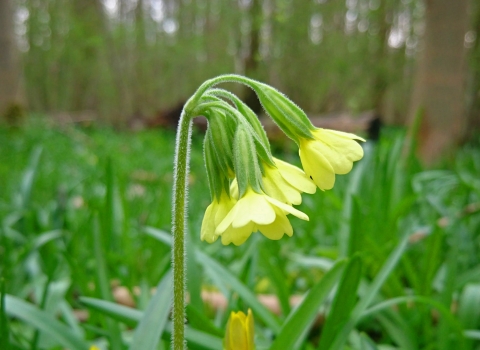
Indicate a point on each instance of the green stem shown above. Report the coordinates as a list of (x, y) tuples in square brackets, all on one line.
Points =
[(180, 183), (179, 215), (223, 79)]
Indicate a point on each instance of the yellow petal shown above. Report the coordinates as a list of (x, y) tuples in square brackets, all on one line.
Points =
[(250, 330), (277, 187), (317, 167), (239, 235), (237, 332), (253, 207), (234, 189), (207, 232), (289, 209), (295, 177), (347, 135), (224, 207), (338, 148), (276, 229)]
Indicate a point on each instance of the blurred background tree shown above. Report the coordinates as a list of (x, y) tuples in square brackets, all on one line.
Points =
[(11, 93), (126, 59)]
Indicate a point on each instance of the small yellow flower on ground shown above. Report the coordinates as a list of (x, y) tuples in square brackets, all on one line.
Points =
[(239, 333), (330, 152), (214, 214), (257, 211)]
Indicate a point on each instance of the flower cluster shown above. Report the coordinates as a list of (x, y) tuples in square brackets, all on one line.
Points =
[(251, 190)]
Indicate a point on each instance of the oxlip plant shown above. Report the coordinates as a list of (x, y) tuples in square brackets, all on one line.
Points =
[(250, 189)]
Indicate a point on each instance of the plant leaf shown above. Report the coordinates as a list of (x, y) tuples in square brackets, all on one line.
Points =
[(44, 322), (299, 321)]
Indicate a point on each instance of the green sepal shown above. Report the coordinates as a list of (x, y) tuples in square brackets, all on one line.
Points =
[(262, 151), (249, 115), (247, 168), (291, 119), (217, 180), (260, 139), (222, 133)]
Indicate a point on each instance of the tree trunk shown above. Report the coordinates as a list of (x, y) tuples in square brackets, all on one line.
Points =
[(474, 110), (440, 79), (11, 93), (252, 59)]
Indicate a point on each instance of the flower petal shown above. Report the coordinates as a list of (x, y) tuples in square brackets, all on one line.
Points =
[(239, 235), (317, 167), (255, 208), (339, 148), (227, 221), (277, 228), (277, 187), (295, 177), (207, 232), (288, 208)]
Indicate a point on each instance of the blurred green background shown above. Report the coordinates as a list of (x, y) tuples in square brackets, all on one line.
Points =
[(89, 96)]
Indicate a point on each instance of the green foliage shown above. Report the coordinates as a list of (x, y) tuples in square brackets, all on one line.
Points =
[(389, 258)]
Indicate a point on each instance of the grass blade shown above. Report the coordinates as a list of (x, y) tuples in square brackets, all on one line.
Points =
[(370, 293), (299, 321), (118, 312), (151, 325), (4, 332), (44, 322), (195, 338), (212, 267), (104, 284), (343, 303)]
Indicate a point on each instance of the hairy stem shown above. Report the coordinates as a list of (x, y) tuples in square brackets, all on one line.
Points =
[(180, 192), (179, 215)]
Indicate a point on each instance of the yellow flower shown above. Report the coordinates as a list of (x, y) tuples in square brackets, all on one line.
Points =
[(257, 211), (330, 152), (286, 182), (214, 214), (94, 347), (239, 332)]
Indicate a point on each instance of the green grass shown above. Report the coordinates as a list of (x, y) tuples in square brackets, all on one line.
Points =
[(82, 209)]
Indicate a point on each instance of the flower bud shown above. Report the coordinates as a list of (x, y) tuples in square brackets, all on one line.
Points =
[(239, 334)]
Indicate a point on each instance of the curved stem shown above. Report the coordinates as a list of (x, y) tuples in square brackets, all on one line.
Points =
[(223, 79), (179, 218), (179, 215)]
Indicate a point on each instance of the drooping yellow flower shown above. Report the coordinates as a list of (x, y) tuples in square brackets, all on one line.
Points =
[(330, 152), (257, 211), (214, 214), (286, 182), (239, 333)]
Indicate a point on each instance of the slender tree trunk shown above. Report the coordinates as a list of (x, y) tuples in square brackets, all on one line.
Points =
[(440, 79), (474, 110), (11, 92), (380, 79), (252, 59)]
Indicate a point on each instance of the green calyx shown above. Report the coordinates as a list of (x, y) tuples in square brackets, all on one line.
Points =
[(291, 119), (222, 131), (218, 181), (247, 169), (249, 115), (242, 115)]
